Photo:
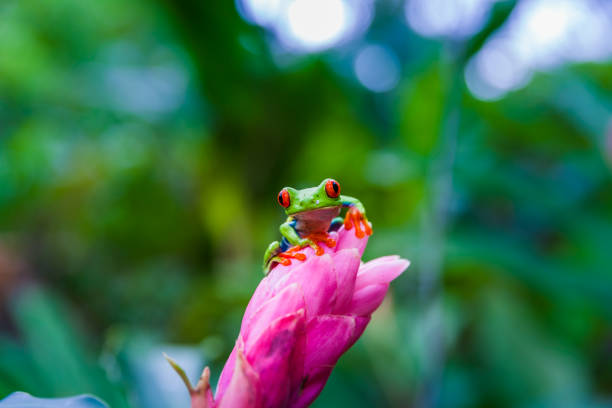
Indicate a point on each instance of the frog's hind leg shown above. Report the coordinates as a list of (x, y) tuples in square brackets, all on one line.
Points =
[(271, 253), (336, 224)]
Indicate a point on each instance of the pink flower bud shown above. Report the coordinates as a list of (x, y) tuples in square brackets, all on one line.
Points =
[(300, 320)]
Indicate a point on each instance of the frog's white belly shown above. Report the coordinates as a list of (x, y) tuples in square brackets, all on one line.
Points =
[(317, 220)]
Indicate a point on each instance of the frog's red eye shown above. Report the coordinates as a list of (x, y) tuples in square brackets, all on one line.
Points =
[(283, 198), (332, 188)]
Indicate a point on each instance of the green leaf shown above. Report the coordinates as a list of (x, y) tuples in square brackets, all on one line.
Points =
[(25, 400)]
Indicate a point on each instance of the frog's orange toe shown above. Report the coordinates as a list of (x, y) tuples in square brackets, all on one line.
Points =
[(330, 242), (367, 226), (357, 216), (349, 219), (347, 223), (284, 261)]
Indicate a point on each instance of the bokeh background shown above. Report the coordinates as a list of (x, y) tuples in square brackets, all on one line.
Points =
[(143, 142)]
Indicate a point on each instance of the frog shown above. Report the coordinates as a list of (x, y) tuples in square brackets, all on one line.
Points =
[(312, 213)]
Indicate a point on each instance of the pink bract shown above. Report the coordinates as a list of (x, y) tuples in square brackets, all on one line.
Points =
[(300, 320)]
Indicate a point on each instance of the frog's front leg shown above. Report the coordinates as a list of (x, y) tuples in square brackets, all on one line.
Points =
[(356, 216), (352, 202), (288, 231)]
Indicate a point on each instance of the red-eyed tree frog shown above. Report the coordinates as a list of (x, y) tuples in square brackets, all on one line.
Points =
[(312, 214)]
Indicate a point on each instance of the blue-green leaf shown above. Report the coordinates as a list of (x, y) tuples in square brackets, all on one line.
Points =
[(24, 400)]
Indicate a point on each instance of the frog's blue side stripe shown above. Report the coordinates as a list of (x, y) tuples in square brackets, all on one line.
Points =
[(284, 245), (335, 224)]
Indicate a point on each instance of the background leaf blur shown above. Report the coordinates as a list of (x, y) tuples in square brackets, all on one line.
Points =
[(142, 145)]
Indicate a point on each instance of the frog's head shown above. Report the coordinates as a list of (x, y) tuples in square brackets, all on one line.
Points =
[(326, 194)]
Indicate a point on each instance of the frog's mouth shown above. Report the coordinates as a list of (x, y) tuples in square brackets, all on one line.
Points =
[(317, 220)]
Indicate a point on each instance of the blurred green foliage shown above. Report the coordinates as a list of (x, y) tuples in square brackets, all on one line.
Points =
[(143, 144)]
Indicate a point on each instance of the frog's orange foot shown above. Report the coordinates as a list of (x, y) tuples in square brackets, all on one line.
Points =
[(329, 241), (355, 218), (321, 237), (284, 261), (284, 258)]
